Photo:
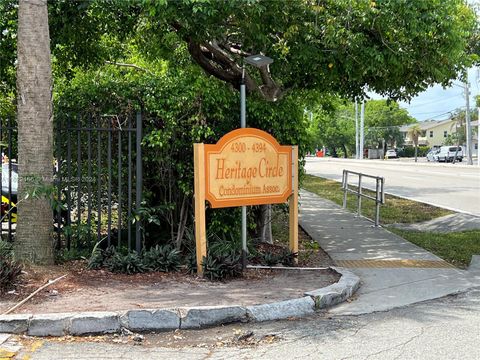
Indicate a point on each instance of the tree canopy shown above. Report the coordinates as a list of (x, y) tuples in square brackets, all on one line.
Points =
[(396, 48), (382, 121)]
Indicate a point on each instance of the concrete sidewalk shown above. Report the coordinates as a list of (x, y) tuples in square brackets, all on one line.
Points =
[(394, 272)]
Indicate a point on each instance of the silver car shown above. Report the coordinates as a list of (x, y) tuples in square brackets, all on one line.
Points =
[(431, 155)]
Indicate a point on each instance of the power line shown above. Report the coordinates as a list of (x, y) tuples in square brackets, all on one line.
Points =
[(434, 102), (435, 112)]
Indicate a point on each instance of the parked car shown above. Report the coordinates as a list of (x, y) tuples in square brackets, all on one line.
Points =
[(431, 154), (448, 153), (9, 192), (391, 154)]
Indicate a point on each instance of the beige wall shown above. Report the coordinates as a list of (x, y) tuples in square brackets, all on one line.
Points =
[(437, 138), (438, 133)]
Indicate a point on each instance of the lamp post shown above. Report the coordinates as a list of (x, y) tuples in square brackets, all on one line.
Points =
[(468, 127), (357, 142), (257, 61), (478, 138), (362, 127)]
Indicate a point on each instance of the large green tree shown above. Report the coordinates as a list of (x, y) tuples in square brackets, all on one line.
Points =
[(332, 125), (396, 48), (382, 121)]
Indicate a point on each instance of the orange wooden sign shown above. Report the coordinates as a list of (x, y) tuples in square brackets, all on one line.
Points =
[(247, 167)]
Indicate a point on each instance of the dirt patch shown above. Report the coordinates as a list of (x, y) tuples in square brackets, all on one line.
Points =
[(100, 290)]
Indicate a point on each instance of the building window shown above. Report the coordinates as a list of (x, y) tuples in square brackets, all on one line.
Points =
[(445, 134), (431, 133)]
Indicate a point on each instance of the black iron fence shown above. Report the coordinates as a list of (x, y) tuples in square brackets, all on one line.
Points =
[(98, 180)]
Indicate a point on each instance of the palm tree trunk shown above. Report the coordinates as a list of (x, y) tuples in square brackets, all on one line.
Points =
[(35, 132), (416, 152)]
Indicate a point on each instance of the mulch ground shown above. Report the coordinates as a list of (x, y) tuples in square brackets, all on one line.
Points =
[(84, 289)]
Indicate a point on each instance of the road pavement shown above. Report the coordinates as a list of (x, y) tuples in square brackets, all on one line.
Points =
[(451, 186)]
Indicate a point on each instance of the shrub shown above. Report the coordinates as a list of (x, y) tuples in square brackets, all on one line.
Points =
[(73, 253), (278, 256), (96, 260), (271, 259), (130, 263), (191, 263), (287, 258), (409, 151), (6, 249), (162, 258), (222, 266), (10, 272)]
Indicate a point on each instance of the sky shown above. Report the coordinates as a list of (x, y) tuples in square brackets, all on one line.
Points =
[(436, 103)]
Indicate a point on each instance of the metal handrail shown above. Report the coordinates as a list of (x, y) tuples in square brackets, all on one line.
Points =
[(379, 192)]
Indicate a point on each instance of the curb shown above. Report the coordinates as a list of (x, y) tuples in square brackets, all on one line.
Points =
[(474, 264), (60, 324)]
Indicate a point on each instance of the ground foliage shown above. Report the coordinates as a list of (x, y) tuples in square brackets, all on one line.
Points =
[(455, 247), (10, 270)]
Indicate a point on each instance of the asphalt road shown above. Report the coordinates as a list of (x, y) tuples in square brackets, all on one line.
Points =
[(447, 328), (451, 186)]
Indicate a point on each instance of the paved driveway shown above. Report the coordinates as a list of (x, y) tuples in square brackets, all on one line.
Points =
[(451, 186)]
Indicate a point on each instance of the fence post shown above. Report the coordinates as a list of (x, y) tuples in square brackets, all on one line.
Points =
[(345, 187), (9, 151), (139, 181), (69, 179), (58, 182)]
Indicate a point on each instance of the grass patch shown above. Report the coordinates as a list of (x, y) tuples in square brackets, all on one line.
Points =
[(456, 248), (395, 209)]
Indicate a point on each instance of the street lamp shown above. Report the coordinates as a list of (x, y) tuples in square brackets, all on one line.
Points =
[(257, 61)]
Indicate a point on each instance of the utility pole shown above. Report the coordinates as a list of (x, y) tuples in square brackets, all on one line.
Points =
[(468, 124), (357, 152), (362, 124), (478, 138)]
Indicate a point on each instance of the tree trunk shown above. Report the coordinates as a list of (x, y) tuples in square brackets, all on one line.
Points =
[(264, 224), (35, 132), (182, 223), (344, 151), (416, 152)]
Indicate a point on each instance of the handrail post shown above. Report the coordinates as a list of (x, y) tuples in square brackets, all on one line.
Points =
[(377, 203), (359, 192), (345, 188), (383, 191)]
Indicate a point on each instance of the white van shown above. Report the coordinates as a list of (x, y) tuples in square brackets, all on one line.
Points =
[(447, 153)]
